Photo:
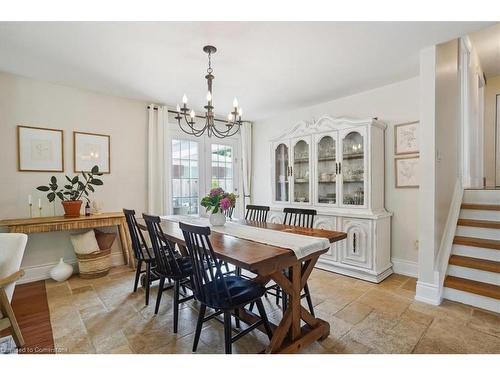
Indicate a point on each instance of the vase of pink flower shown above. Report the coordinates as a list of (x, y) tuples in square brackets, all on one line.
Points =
[(217, 203)]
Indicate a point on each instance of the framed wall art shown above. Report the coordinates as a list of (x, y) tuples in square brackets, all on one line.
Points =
[(91, 149), (407, 172), (39, 149), (406, 139)]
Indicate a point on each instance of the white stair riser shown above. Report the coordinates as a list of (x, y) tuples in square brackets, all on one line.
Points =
[(476, 252), (482, 196), (477, 300), (477, 232), (480, 215), (474, 274)]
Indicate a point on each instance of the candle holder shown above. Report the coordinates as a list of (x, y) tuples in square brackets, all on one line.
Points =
[(31, 209)]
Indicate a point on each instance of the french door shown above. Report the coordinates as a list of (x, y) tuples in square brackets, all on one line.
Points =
[(198, 165)]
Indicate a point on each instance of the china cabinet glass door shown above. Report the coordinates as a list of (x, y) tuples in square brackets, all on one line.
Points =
[(353, 168), (301, 171), (326, 169), (281, 173)]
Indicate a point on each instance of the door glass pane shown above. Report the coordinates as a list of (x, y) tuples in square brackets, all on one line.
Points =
[(301, 172), (222, 167), (353, 173), (327, 163), (281, 173), (185, 194)]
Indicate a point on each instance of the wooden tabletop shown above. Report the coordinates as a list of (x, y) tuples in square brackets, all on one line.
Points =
[(58, 219), (254, 256)]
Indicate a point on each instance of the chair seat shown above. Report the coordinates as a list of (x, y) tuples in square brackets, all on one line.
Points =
[(185, 266), (242, 292)]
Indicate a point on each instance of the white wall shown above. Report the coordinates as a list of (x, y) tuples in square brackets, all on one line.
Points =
[(395, 103), (492, 89), (34, 103)]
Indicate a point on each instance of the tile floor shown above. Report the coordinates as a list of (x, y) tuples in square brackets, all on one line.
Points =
[(104, 316)]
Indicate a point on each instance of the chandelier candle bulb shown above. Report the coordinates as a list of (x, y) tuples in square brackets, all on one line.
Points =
[(235, 103), (184, 99), (209, 96), (178, 108), (192, 114)]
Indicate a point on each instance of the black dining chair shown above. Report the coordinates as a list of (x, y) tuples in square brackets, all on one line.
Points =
[(142, 254), (170, 264), (257, 213), (223, 293), (229, 212), (299, 217)]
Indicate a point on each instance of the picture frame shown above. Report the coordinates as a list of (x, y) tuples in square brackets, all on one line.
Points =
[(406, 138), (40, 149), (91, 149), (406, 172)]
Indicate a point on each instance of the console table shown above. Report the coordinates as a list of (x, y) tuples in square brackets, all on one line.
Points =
[(61, 223)]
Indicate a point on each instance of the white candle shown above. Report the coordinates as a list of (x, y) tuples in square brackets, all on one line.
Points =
[(39, 203), (30, 202)]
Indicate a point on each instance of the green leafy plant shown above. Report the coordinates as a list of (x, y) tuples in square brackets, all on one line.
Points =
[(218, 200), (75, 187)]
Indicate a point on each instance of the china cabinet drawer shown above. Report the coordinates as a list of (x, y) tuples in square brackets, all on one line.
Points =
[(356, 249)]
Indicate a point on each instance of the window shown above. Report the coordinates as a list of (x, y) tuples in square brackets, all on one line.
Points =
[(185, 177), (222, 167), (195, 166)]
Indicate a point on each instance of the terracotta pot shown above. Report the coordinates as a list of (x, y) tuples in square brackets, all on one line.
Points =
[(72, 208)]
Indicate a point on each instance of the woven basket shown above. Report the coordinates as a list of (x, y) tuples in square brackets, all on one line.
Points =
[(94, 265)]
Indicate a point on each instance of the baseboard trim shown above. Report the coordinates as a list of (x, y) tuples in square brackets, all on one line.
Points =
[(428, 293), (404, 267), (42, 271)]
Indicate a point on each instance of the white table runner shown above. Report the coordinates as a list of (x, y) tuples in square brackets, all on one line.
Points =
[(301, 245)]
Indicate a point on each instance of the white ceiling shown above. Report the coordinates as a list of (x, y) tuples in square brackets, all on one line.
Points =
[(487, 44), (269, 66)]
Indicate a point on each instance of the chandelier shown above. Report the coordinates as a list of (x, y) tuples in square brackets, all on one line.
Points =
[(186, 117)]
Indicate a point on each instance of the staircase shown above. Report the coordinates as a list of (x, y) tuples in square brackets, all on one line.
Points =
[(473, 275)]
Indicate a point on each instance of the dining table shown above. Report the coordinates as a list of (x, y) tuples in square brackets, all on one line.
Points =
[(268, 262)]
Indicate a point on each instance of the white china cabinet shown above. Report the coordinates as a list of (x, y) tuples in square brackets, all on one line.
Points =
[(336, 166)]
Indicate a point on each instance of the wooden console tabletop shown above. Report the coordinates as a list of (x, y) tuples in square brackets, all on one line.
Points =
[(60, 223)]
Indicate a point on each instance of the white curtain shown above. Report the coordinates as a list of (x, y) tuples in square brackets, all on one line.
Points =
[(157, 156), (246, 162)]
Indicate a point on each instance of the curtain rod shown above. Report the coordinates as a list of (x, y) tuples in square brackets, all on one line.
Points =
[(198, 116)]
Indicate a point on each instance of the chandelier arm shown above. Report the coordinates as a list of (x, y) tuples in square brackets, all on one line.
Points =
[(192, 131)]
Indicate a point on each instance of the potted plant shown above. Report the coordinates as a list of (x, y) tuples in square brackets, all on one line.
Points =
[(216, 203), (73, 191)]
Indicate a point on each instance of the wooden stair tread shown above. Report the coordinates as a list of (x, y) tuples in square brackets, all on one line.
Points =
[(476, 263), (479, 206), (479, 223), (477, 242), (472, 286)]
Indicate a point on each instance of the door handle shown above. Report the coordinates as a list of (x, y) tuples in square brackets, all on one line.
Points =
[(340, 168), (336, 168)]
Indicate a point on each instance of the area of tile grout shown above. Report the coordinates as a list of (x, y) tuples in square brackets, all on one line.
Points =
[(105, 316)]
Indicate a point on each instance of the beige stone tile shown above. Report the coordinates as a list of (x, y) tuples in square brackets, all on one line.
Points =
[(349, 346), (59, 290), (387, 335), (385, 302), (110, 343), (455, 336), (485, 321), (394, 281), (354, 313), (330, 306), (447, 310), (410, 284)]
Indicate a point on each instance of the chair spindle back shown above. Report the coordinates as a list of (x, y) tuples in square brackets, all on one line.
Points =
[(256, 213), (299, 217), (206, 265)]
